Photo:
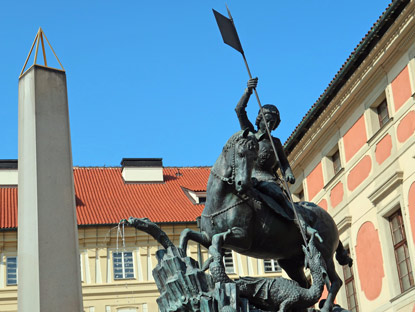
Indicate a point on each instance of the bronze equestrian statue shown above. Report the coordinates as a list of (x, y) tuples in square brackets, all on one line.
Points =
[(244, 196)]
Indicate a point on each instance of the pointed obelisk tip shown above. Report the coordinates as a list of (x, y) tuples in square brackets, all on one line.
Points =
[(39, 41)]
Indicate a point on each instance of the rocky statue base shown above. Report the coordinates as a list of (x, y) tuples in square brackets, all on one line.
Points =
[(184, 287)]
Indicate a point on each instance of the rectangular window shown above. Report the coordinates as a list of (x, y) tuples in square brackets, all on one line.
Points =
[(11, 269), (400, 246), (123, 265), (335, 159), (271, 266), (383, 113), (228, 261), (350, 288)]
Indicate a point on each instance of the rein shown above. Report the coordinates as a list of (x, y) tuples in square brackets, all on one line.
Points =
[(217, 213), (230, 180)]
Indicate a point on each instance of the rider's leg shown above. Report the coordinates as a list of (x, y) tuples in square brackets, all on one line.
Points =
[(273, 190)]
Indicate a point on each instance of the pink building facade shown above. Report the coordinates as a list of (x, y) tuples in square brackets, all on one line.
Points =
[(354, 155)]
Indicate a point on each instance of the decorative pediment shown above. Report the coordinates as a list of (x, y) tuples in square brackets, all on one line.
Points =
[(391, 183)]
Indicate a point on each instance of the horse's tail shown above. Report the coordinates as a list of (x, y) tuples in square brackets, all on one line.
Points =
[(342, 256)]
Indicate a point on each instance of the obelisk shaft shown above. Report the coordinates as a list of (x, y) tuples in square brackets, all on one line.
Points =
[(48, 255)]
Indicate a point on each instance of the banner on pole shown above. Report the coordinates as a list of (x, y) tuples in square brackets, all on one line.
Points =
[(228, 31)]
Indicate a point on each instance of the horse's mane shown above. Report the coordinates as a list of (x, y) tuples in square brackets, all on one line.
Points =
[(242, 138)]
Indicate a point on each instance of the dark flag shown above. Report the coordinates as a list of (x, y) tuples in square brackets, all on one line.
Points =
[(228, 31)]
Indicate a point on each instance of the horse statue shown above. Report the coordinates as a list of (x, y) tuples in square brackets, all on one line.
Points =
[(233, 204)]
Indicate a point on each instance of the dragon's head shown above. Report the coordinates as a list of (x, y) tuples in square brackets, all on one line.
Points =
[(314, 261)]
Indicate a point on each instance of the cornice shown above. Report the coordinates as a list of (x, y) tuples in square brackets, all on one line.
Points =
[(344, 224), (375, 63), (391, 183)]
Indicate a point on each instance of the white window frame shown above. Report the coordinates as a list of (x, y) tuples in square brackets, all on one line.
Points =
[(394, 244), (7, 271), (353, 280), (275, 267), (123, 268), (386, 207), (330, 176), (228, 255), (374, 127)]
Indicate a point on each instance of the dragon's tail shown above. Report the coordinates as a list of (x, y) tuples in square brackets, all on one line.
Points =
[(342, 256)]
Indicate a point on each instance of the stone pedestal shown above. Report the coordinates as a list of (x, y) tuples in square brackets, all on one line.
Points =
[(48, 256)]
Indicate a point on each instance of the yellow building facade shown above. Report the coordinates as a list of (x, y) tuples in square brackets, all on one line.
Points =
[(117, 262), (101, 289)]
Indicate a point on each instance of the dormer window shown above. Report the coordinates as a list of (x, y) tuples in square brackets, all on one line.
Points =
[(197, 197), (202, 199)]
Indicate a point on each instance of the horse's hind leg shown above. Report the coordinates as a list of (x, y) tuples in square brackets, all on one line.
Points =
[(199, 237), (336, 283), (295, 270)]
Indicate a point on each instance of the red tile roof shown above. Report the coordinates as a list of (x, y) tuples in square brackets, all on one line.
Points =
[(8, 207), (102, 197)]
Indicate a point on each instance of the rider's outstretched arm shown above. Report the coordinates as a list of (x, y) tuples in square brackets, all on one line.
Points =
[(243, 102)]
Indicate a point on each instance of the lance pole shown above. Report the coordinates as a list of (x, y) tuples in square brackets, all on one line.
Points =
[(272, 141)]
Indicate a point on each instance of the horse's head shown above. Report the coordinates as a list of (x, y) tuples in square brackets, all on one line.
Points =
[(240, 153)]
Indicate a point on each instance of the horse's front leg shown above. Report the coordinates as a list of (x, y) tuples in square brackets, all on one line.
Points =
[(199, 237), (217, 243)]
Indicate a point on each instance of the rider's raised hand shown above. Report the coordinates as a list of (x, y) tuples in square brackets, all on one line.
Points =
[(252, 84)]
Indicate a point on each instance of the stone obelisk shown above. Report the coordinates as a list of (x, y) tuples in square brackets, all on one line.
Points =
[(48, 255)]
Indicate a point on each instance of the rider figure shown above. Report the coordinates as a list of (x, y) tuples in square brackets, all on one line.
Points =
[(266, 179)]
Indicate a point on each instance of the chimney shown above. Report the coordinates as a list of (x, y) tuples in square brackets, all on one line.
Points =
[(142, 170), (8, 172)]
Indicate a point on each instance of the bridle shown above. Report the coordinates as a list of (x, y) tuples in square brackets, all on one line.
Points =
[(231, 179)]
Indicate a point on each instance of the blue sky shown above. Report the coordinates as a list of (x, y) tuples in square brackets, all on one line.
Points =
[(154, 78)]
